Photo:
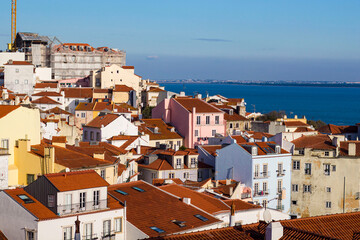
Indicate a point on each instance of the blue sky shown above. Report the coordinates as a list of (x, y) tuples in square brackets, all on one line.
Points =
[(230, 39)]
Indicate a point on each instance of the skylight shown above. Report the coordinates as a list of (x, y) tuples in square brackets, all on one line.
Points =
[(179, 223), (156, 229), (138, 189), (202, 218), (25, 198), (121, 192)]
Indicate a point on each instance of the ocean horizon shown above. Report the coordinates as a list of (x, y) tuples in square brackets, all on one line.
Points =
[(335, 105)]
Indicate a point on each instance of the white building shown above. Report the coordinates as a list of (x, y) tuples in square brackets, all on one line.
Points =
[(262, 165), (19, 77), (51, 205), (103, 127), (4, 153), (73, 96)]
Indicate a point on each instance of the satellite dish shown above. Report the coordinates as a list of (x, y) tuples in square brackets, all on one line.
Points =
[(267, 216)]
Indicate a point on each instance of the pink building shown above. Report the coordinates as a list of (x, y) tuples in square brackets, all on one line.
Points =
[(194, 119)]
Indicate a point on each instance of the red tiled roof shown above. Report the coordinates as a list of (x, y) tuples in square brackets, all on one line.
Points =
[(234, 117), (155, 208), (303, 129), (259, 135), (156, 89), (240, 205), (104, 120), (18, 63), (164, 130), (46, 85), (158, 165), (45, 100), (334, 129), (99, 90), (85, 106), (59, 139), (199, 105), (319, 141), (6, 109), (344, 148), (57, 110), (211, 149), (295, 124), (239, 139), (69, 181), (161, 181), (128, 67), (52, 94), (2, 235), (78, 92), (123, 88)]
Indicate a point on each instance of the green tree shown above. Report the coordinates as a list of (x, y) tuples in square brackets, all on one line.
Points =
[(317, 124), (146, 112)]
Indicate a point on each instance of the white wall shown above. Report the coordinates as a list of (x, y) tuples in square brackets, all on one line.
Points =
[(14, 218), (133, 232), (120, 126), (3, 171), (15, 56), (19, 78), (42, 73)]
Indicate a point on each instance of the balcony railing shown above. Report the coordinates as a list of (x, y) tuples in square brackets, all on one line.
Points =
[(108, 235), (83, 207), (280, 207), (261, 193), (280, 173), (261, 175), (4, 151), (90, 237), (245, 195)]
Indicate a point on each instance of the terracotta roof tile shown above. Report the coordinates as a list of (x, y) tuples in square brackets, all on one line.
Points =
[(2, 235), (240, 205), (319, 141), (100, 121), (199, 105), (239, 139), (303, 129), (69, 181), (164, 130), (46, 85), (344, 148), (161, 181), (84, 106), (234, 117), (45, 100), (57, 110), (18, 63), (122, 88), (334, 129), (155, 208), (52, 94), (6, 109), (78, 92), (156, 89), (295, 124), (158, 165), (211, 149), (59, 139), (128, 67)]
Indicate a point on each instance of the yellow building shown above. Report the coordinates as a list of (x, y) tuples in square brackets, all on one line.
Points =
[(17, 122), (295, 119)]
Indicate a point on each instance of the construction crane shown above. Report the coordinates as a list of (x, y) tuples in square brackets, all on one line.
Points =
[(11, 45)]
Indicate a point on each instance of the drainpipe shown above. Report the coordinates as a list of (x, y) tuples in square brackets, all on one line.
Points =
[(125, 221)]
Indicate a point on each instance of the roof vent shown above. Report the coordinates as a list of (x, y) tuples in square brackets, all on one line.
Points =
[(179, 223), (187, 200)]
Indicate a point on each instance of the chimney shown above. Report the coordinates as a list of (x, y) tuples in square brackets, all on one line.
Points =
[(228, 181), (274, 231), (277, 149), (232, 215), (264, 139), (231, 191), (336, 142), (187, 200), (10, 61), (352, 149), (17, 100), (77, 142), (138, 149), (216, 183), (296, 117), (182, 94)]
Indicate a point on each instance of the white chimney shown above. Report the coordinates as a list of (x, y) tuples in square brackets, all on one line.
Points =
[(336, 141), (138, 149), (274, 231), (187, 200), (352, 149), (182, 94), (232, 216)]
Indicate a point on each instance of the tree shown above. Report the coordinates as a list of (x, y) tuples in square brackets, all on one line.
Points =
[(146, 112), (271, 116), (317, 124)]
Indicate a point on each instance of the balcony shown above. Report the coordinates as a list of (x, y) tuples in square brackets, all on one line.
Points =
[(77, 207), (261, 193), (90, 237), (280, 207), (245, 195), (261, 175), (4, 151), (280, 173), (108, 235)]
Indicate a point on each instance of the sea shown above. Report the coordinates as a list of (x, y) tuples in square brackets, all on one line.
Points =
[(335, 105)]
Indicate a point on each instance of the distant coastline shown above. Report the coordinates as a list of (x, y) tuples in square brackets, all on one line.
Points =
[(267, 83)]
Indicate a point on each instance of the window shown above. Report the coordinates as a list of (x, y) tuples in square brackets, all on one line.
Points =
[(106, 228), (97, 136), (295, 187), (193, 162), (256, 173), (198, 120), (121, 192), (153, 175), (68, 233), (138, 189), (296, 165), (265, 170), (328, 189), (118, 224), (202, 218), (91, 135), (5, 143), (307, 168), (85, 134), (213, 133), (256, 188), (156, 229), (328, 204), (307, 188), (327, 154), (264, 203), (16, 70), (279, 186), (301, 152), (207, 119), (200, 174), (171, 175), (178, 143), (333, 168), (83, 115), (96, 198), (30, 178), (82, 200), (30, 235), (217, 119), (26, 81), (178, 163), (25, 198), (51, 200), (237, 125), (186, 175), (230, 125), (294, 202), (68, 202), (88, 229), (327, 169), (280, 169), (265, 188), (196, 133), (16, 81), (103, 173)]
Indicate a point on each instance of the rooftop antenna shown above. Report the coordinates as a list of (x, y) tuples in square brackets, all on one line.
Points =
[(267, 216)]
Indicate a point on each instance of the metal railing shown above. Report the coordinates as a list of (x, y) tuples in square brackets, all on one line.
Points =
[(262, 175), (280, 207), (280, 173), (108, 235), (90, 237), (261, 193), (4, 151), (81, 207), (245, 195)]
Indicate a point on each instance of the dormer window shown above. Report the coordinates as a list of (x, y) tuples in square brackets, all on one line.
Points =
[(178, 163), (156, 229), (202, 218)]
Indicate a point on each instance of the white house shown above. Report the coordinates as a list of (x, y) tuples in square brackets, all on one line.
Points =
[(52, 204), (262, 165), (19, 77), (103, 127), (45, 103), (73, 96), (49, 128)]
